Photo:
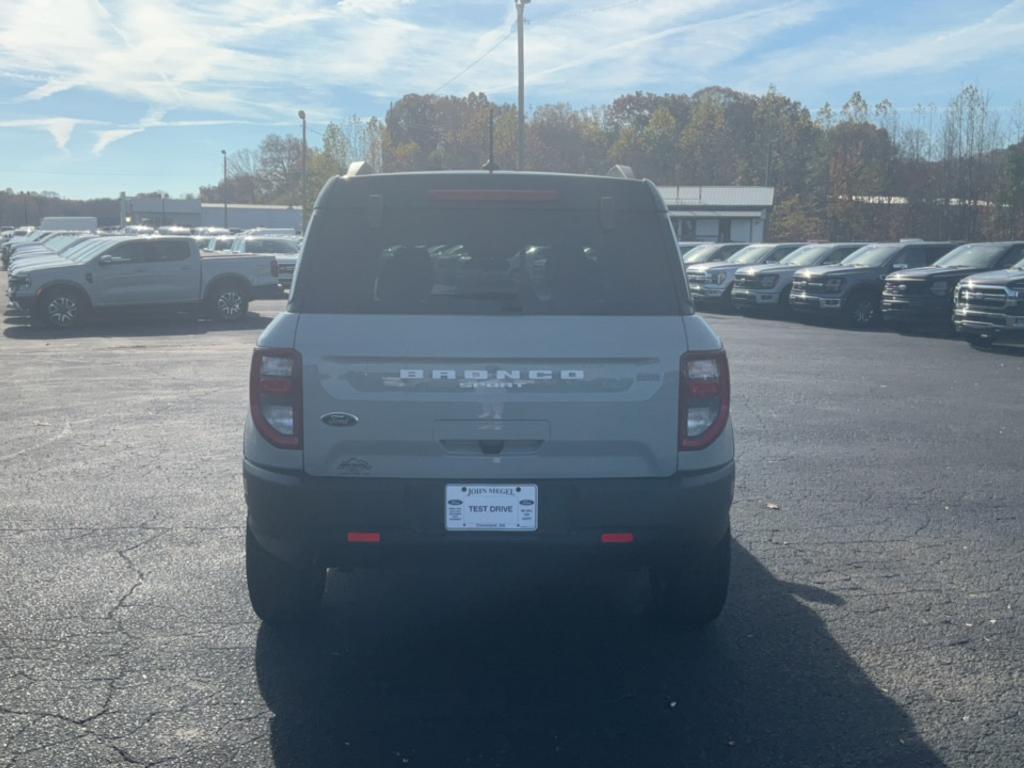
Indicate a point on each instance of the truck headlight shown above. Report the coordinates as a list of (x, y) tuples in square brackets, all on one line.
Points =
[(718, 278), (834, 284), (1015, 293), (939, 287), (769, 281)]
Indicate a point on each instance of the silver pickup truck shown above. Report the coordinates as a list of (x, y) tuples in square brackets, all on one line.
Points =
[(113, 272)]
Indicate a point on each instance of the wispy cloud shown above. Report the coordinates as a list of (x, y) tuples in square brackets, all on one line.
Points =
[(155, 119), (860, 56), (257, 61), (60, 128), (226, 56)]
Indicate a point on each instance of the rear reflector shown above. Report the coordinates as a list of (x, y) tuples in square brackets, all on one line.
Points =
[(616, 538), (363, 538), (493, 195)]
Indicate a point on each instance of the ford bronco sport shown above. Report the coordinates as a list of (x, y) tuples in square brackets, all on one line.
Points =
[(485, 366)]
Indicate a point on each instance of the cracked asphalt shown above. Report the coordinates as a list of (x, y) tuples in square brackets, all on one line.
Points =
[(874, 617)]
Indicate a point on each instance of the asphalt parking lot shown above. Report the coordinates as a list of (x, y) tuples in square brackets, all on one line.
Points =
[(874, 618)]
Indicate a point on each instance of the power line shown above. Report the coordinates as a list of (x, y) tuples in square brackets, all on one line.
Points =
[(484, 55)]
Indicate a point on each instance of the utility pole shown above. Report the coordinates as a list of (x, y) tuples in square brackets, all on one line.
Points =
[(521, 129), (225, 153), (302, 116)]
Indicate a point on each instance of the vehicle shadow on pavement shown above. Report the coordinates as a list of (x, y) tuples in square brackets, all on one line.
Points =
[(514, 669), (135, 325)]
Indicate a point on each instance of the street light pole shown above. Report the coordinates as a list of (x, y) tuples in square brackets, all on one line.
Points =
[(302, 116), (521, 128), (225, 153)]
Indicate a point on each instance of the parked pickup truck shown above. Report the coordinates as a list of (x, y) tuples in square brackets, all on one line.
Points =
[(924, 296), (990, 306), (140, 272), (711, 284), (767, 286), (852, 289)]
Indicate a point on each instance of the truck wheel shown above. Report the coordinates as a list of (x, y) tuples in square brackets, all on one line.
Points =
[(862, 311), (280, 593), (60, 308), (692, 594), (228, 302)]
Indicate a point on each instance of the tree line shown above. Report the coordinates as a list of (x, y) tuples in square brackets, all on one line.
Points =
[(850, 172)]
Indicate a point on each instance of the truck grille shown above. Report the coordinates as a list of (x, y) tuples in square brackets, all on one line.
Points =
[(899, 288), (747, 281), (695, 277), (982, 297)]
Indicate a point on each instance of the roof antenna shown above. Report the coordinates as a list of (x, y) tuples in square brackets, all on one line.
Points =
[(490, 166)]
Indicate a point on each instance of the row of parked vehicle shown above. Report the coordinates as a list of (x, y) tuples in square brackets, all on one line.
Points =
[(58, 278), (975, 288)]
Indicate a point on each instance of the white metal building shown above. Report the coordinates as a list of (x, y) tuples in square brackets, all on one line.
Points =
[(158, 212), (719, 214)]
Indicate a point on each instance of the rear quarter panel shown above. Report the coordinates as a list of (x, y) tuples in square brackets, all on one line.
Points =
[(255, 270)]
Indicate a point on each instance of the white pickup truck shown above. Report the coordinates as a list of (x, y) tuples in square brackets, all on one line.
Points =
[(140, 272)]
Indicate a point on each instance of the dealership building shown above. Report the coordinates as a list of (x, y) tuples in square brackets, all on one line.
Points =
[(164, 211), (719, 214)]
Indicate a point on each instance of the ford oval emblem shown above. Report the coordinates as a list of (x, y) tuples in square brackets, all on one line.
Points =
[(339, 419)]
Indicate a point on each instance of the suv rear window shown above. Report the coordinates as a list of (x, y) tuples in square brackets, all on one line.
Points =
[(486, 261)]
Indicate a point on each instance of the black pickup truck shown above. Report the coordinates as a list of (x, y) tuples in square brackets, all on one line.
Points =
[(852, 289), (924, 297)]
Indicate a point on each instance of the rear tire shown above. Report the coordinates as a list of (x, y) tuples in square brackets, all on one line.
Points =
[(691, 594), (279, 592), (227, 302), (61, 309)]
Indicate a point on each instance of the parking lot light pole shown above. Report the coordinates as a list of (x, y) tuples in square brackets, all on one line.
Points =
[(225, 154), (302, 117), (521, 128)]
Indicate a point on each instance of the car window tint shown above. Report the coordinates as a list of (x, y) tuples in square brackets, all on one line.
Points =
[(836, 255), (917, 256), (170, 250), (1012, 256), (128, 253), (439, 261)]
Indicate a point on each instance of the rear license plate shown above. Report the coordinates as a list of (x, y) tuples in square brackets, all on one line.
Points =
[(490, 508)]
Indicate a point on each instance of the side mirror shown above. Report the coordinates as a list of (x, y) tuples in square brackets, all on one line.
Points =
[(105, 259)]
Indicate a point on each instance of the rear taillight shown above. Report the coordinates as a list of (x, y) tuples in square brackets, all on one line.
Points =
[(275, 396), (703, 398), (275, 268)]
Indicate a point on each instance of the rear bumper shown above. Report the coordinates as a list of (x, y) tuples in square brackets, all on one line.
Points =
[(303, 519), (267, 292)]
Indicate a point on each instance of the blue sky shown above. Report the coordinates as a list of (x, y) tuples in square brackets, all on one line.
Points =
[(99, 96)]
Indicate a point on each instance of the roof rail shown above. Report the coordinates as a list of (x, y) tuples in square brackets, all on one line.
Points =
[(621, 172), (359, 168)]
